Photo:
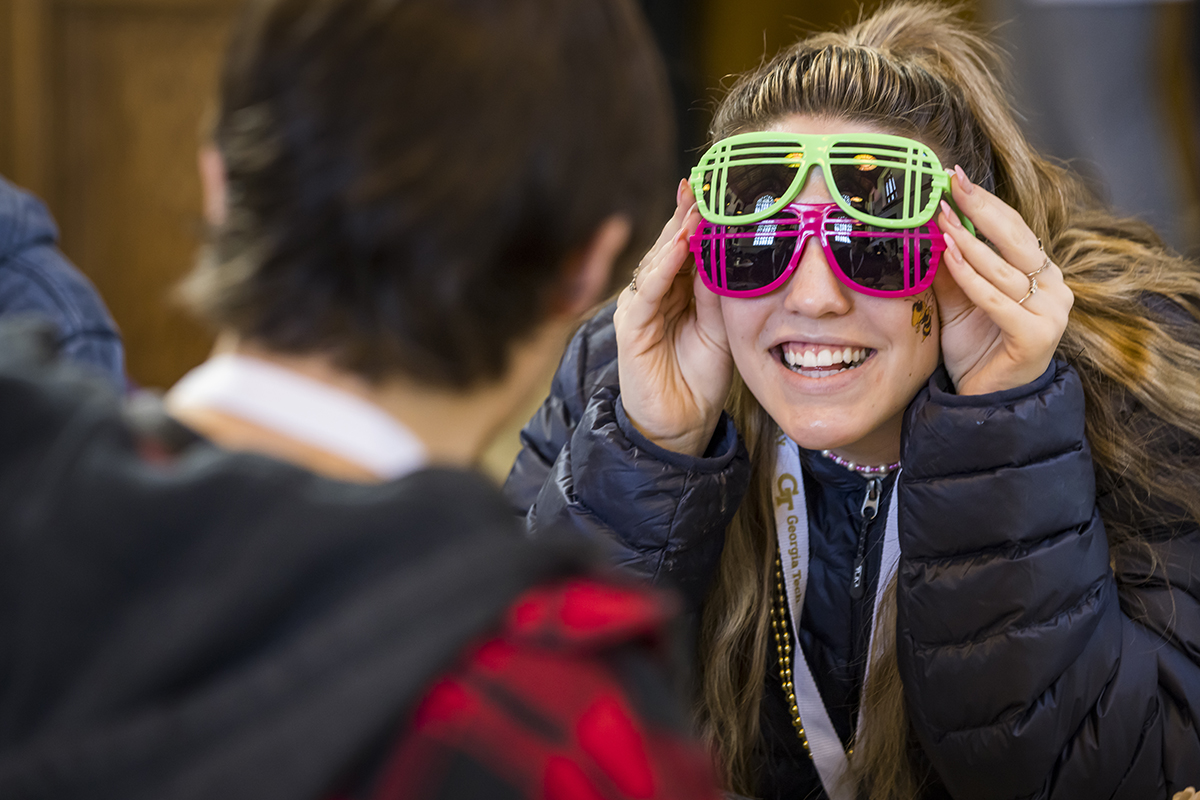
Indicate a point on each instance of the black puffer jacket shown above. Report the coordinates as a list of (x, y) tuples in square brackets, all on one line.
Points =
[(1036, 663), (662, 513), (1031, 670)]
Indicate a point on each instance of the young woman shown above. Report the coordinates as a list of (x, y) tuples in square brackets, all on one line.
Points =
[(858, 428)]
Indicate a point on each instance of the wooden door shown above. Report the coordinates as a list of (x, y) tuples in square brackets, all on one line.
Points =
[(100, 110)]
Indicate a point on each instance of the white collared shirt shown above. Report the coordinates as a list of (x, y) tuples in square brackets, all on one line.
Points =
[(303, 409)]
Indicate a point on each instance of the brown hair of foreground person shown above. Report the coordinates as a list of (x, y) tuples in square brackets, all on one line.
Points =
[(401, 225)]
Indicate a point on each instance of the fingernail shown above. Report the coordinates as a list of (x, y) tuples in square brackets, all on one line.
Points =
[(963, 181), (952, 248), (679, 191), (949, 212)]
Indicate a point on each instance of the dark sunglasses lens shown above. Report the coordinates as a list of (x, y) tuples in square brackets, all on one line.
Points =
[(755, 187), (755, 255), (878, 182), (879, 259)]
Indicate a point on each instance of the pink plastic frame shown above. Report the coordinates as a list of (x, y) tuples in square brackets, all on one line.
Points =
[(814, 221)]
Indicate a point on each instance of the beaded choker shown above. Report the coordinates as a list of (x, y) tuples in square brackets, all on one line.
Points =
[(861, 469)]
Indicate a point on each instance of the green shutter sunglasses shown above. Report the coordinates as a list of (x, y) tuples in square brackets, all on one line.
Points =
[(876, 178)]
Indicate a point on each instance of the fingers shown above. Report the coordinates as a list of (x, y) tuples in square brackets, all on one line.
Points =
[(959, 242), (684, 200), (657, 272), (998, 303), (952, 302), (684, 196), (1018, 260), (1009, 307), (1003, 292), (1013, 309), (998, 221)]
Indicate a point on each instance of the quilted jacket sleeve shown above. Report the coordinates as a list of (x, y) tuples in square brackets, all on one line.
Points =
[(1024, 675), (584, 467)]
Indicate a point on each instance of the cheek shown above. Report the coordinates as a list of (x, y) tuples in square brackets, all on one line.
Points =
[(925, 330), (743, 320), (930, 353), (934, 341), (741, 348), (912, 326)]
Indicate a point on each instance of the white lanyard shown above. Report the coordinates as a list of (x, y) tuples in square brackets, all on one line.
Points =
[(302, 409), (791, 528)]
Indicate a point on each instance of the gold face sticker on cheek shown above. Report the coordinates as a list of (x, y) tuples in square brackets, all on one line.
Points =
[(922, 315)]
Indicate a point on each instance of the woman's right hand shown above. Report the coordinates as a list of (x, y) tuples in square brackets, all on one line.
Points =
[(672, 353)]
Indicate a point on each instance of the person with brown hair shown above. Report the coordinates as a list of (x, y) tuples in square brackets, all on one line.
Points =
[(287, 581), (915, 424)]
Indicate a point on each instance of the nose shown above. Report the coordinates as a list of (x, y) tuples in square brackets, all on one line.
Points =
[(815, 189), (813, 290)]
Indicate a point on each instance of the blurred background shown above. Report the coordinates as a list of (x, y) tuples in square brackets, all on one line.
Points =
[(102, 101)]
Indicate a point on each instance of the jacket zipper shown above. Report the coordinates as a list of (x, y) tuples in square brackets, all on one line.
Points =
[(858, 588), (870, 507)]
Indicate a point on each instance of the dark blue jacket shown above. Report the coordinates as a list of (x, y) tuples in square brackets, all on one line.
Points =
[(37, 279), (1036, 662)]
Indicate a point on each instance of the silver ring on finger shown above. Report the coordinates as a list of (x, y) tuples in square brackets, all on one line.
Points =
[(1033, 287), (633, 280), (1045, 263), (1045, 260)]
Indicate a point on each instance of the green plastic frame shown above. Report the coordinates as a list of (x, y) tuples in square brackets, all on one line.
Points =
[(708, 177)]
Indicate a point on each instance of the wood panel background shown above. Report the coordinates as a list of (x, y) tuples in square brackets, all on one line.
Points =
[(102, 105)]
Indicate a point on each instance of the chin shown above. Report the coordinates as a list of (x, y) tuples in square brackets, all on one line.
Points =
[(819, 432)]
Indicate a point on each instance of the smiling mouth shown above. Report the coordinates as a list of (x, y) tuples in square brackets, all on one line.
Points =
[(823, 362)]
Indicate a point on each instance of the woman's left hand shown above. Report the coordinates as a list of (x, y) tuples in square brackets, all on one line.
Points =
[(994, 336)]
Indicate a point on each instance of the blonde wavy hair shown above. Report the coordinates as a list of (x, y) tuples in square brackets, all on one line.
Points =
[(920, 70)]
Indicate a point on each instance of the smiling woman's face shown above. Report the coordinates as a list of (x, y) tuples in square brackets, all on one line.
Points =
[(814, 318)]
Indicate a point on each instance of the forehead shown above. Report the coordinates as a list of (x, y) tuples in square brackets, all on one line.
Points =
[(805, 124)]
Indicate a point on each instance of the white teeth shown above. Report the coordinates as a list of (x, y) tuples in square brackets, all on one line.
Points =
[(850, 356)]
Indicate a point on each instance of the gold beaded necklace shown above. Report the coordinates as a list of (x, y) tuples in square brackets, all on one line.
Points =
[(781, 627)]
